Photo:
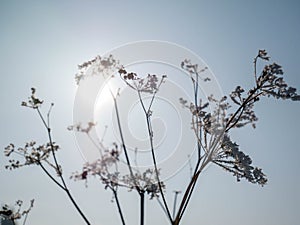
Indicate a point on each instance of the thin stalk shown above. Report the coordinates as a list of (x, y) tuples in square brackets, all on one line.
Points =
[(198, 131), (24, 221), (242, 107), (142, 103), (95, 144), (64, 186), (142, 207), (188, 192), (123, 144), (162, 206), (48, 115), (175, 201), (184, 199), (77, 207), (255, 74), (42, 118), (118, 205), (197, 119), (188, 199), (156, 169), (27, 212), (190, 187), (50, 176), (150, 134)]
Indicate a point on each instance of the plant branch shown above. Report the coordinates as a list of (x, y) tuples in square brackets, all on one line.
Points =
[(118, 205), (174, 203), (123, 144), (242, 107), (50, 176), (188, 192), (64, 186), (142, 207), (150, 134)]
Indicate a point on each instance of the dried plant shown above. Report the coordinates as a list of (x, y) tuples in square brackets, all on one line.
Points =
[(42, 155), (212, 121)]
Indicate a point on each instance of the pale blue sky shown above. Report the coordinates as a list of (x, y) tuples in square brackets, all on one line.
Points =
[(42, 42)]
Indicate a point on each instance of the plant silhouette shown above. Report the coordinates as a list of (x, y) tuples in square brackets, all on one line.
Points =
[(212, 121)]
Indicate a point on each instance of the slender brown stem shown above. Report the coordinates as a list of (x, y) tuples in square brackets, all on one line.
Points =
[(188, 192), (190, 188), (198, 131), (150, 134), (50, 176), (188, 199), (242, 107), (118, 205), (63, 186), (184, 199), (124, 146), (141, 101)]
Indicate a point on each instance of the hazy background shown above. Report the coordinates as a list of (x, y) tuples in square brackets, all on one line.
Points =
[(42, 42)]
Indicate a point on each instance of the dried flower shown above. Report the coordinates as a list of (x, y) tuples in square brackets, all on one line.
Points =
[(79, 128), (238, 163), (97, 66), (149, 84), (33, 101), (31, 153)]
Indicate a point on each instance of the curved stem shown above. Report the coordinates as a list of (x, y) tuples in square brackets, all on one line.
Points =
[(50, 176), (64, 185)]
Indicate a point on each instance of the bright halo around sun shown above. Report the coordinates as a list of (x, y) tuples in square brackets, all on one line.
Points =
[(104, 108), (119, 107), (106, 94)]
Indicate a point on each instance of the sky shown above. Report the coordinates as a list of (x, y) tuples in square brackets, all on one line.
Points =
[(41, 44)]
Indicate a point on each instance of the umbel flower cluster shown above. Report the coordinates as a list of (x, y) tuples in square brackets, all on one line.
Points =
[(149, 84), (96, 66), (212, 129), (32, 154), (212, 121), (106, 169)]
